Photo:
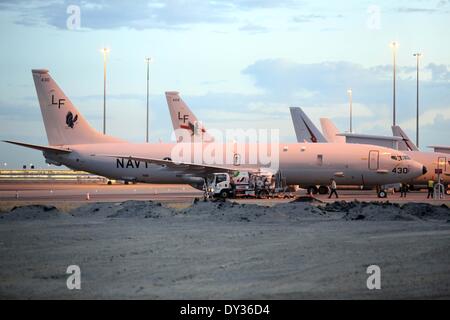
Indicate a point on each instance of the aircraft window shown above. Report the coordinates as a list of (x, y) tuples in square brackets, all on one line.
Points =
[(319, 159), (394, 157)]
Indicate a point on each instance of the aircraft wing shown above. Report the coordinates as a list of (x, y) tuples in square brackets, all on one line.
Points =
[(38, 147), (191, 168), (442, 149)]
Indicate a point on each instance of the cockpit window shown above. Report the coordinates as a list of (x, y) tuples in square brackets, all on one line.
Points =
[(400, 158)]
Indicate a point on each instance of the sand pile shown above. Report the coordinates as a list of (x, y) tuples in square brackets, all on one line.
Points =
[(141, 209), (385, 211), (32, 212), (229, 211), (98, 209), (237, 212), (427, 211)]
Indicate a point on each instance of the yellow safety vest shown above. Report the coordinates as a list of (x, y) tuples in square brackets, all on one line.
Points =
[(430, 183)]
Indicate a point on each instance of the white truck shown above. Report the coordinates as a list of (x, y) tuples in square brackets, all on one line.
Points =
[(246, 185)]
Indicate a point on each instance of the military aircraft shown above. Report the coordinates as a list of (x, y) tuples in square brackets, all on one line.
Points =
[(436, 163), (77, 145)]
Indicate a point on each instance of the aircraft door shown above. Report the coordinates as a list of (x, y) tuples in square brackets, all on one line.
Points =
[(374, 160)]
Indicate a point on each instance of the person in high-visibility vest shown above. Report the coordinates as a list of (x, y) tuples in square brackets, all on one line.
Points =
[(430, 189)]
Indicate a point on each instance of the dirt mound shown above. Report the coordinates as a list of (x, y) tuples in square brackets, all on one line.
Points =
[(385, 211), (32, 212), (237, 212), (307, 199), (427, 211), (141, 209), (95, 210)]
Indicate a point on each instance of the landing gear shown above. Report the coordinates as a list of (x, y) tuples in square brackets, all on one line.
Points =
[(263, 194), (382, 194), (312, 190), (323, 190), (205, 190)]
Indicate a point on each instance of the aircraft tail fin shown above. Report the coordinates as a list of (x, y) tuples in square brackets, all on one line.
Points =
[(305, 130), (63, 123), (330, 131), (406, 144), (184, 121)]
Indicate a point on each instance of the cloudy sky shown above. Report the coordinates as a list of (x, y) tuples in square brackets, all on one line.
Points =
[(238, 64)]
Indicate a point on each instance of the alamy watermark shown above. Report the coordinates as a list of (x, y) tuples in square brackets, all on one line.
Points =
[(373, 21), (74, 280), (374, 280), (73, 21), (237, 147)]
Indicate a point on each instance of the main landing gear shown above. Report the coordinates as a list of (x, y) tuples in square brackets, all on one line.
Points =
[(319, 190)]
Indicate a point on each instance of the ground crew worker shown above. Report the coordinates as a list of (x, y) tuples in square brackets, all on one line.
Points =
[(430, 189), (403, 190), (233, 186), (333, 188)]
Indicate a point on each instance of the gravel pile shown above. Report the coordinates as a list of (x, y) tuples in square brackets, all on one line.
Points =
[(385, 211), (32, 212)]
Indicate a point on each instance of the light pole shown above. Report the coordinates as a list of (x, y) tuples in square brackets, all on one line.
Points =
[(394, 46), (147, 60), (417, 55), (350, 96), (105, 52)]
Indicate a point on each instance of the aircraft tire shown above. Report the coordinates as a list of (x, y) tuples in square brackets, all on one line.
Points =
[(312, 190), (263, 194), (382, 194)]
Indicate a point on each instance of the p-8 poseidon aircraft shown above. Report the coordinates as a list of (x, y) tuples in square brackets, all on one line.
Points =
[(434, 161), (77, 145)]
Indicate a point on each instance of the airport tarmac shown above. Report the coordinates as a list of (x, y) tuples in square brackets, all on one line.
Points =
[(57, 192)]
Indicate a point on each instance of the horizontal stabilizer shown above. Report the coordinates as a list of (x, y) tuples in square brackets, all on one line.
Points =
[(38, 147)]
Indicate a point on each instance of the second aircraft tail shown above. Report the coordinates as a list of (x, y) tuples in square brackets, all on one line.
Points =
[(406, 144), (184, 121)]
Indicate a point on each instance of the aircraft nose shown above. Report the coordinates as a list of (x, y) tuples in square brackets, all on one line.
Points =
[(424, 170)]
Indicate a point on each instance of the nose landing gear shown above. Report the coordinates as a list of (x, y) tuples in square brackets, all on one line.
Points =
[(381, 192)]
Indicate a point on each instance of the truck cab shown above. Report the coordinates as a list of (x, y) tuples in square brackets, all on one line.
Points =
[(219, 185)]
